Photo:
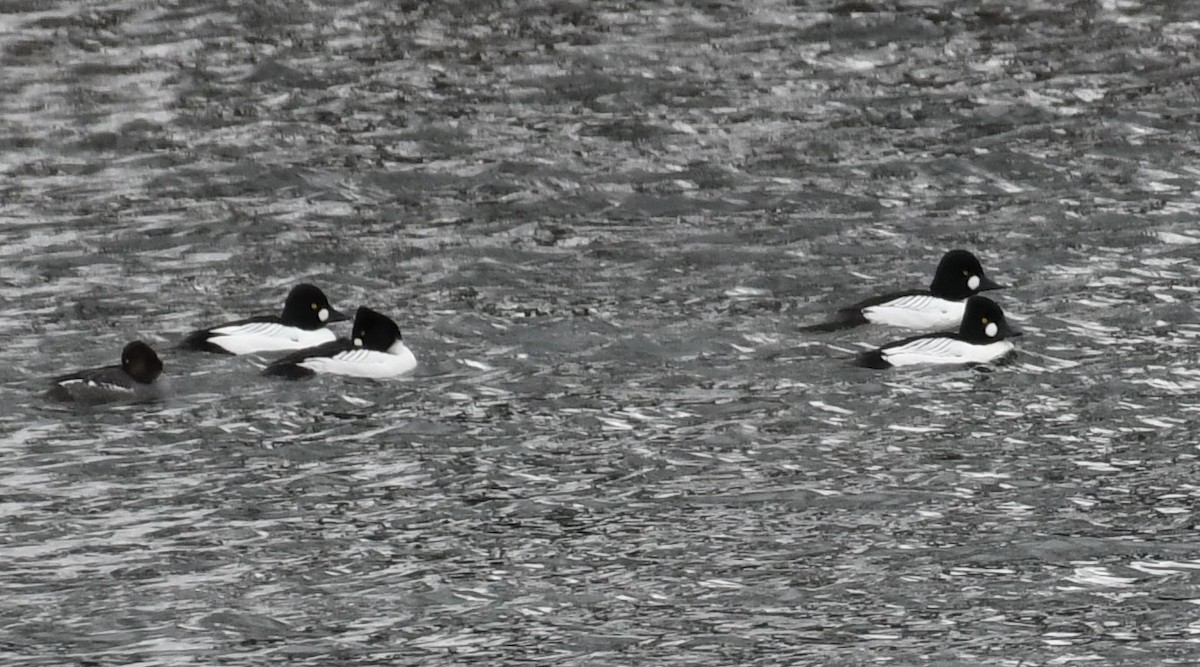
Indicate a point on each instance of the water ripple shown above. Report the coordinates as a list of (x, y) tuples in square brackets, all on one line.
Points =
[(599, 226)]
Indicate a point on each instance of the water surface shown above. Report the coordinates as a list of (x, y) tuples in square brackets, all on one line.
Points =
[(599, 225)]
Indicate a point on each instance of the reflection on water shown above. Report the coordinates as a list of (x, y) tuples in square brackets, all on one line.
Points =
[(599, 226)]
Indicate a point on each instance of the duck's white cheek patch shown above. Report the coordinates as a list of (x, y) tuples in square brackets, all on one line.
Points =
[(323, 314), (357, 342), (991, 329), (973, 282)]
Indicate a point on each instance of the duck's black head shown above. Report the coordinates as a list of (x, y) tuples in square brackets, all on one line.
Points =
[(983, 322), (140, 361), (306, 307), (374, 330), (960, 275)]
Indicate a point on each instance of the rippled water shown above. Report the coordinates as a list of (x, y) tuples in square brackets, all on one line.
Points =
[(599, 225)]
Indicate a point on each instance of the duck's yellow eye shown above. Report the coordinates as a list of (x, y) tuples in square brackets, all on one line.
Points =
[(966, 273), (316, 307), (984, 320)]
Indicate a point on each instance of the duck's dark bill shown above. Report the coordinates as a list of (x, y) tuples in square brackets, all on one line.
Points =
[(988, 284)]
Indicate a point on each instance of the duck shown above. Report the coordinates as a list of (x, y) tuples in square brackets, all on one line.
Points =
[(983, 337), (959, 276), (374, 350), (137, 378), (301, 325)]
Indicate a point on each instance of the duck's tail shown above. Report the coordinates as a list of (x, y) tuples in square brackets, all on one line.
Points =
[(871, 359), (844, 319)]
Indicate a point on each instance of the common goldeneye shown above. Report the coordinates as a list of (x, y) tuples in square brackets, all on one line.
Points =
[(137, 378), (374, 350), (302, 325), (983, 337), (959, 275)]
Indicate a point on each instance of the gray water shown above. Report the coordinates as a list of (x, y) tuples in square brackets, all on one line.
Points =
[(599, 225)]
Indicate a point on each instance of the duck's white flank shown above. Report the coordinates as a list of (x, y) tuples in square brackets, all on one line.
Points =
[(917, 311), (267, 337), (363, 363), (925, 351)]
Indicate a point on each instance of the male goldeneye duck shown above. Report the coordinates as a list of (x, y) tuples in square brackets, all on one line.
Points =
[(374, 350), (982, 338), (302, 325), (137, 378), (959, 275)]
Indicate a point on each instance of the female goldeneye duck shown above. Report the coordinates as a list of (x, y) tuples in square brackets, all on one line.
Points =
[(374, 350), (302, 325), (982, 338), (137, 378), (959, 275)]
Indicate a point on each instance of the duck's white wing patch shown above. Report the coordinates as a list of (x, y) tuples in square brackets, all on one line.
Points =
[(939, 350), (252, 329), (88, 384), (267, 337), (365, 363), (917, 311), (93, 391)]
